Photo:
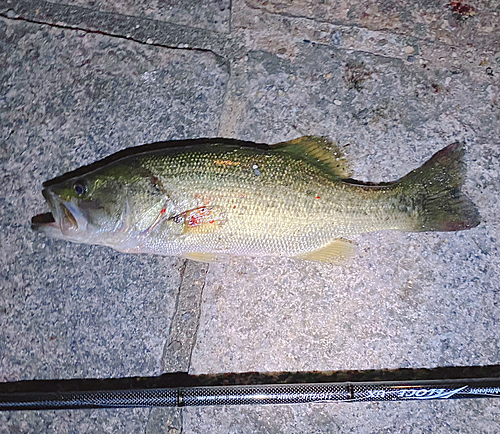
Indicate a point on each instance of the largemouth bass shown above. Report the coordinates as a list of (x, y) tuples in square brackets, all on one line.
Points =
[(208, 199)]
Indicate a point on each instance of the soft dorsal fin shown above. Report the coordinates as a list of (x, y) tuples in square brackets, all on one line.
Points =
[(333, 252), (330, 155)]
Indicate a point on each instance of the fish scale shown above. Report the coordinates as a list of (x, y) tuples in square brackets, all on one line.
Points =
[(259, 213)]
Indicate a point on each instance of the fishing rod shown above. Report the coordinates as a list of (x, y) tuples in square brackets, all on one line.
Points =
[(181, 389)]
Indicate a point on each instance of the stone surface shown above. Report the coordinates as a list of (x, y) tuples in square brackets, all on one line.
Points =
[(405, 300), (75, 421), (184, 327), (165, 420), (478, 416), (451, 23), (143, 29), (69, 99), (207, 14)]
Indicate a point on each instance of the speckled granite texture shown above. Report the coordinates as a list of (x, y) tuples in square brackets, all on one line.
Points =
[(394, 82)]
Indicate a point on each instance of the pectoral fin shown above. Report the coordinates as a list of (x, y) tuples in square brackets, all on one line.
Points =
[(335, 251)]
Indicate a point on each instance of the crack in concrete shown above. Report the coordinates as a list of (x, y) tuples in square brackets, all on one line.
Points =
[(176, 312), (230, 23), (147, 420), (197, 326), (225, 47), (140, 30), (161, 45), (150, 32), (99, 32), (178, 349), (181, 417), (344, 26)]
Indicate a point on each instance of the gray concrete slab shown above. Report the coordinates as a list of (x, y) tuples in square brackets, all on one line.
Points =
[(184, 327), (394, 83), (208, 14), (362, 418), (132, 27), (452, 23), (77, 97), (121, 420), (405, 300)]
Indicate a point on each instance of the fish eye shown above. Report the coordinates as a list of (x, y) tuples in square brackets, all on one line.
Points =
[(80, 187)]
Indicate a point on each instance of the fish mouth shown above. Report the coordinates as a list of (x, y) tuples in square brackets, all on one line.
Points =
[(48, 218), (58, 223), (42, 220)]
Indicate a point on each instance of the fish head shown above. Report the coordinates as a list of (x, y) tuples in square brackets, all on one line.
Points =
[(106, 207)]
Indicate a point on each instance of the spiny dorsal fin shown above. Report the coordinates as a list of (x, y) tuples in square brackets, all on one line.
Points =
[(335, 251), (321, 149)]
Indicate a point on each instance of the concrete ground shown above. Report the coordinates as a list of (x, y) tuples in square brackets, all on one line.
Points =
[(396, 81)]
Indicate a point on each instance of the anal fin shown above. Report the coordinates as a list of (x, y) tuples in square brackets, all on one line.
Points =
[(335, 251), (205, 257)]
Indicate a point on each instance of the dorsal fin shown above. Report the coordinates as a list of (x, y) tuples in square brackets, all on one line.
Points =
[(319, 149)]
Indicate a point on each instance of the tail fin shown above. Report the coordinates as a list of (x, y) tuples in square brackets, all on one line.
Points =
[(435, 195)]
